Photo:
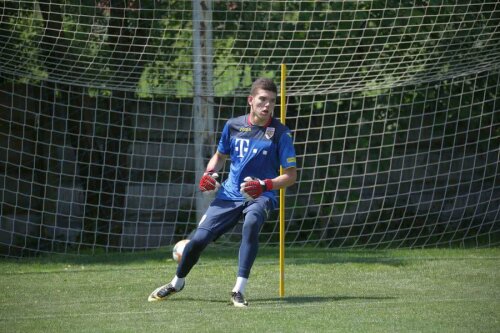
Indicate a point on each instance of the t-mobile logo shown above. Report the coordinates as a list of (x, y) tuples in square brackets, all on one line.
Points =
[(242, 147)]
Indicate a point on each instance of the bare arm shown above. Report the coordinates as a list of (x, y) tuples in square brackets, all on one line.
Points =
[(216, 162), (288, 178)]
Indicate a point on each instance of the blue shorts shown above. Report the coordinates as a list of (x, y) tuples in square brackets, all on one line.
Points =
[(222, 215)]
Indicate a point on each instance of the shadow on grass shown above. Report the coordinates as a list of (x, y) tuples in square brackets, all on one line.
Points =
[(322, 299), (293, 300), (395, 262), (293, 256), (269, 255), (303, 300)]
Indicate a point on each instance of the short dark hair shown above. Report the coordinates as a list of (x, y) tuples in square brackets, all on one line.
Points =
[(265, 84)]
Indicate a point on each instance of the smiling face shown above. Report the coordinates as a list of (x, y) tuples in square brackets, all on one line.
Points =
[(261, 106)]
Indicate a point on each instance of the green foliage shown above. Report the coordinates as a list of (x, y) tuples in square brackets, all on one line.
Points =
[(172, 69), (87, 40), (354, 34), (26, 29), (227, 72)]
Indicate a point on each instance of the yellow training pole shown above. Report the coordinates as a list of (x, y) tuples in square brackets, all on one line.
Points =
[(282, 191)]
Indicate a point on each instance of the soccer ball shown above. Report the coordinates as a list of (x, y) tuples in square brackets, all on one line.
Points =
[(178, 249)]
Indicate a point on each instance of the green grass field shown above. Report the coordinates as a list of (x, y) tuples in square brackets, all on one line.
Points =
[(438, 290)]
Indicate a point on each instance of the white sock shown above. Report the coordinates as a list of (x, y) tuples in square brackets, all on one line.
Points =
[(177, 282), (240, 285)]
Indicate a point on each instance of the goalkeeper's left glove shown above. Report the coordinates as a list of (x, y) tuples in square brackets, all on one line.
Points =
[(252, 188)]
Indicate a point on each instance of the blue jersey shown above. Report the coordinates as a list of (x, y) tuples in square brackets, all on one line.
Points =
[(255, 151)]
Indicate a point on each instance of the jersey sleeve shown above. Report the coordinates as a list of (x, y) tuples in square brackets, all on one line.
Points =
[(287, 151), (224, 146)]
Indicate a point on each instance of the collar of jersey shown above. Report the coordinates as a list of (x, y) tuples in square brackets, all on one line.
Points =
[(265, 125)]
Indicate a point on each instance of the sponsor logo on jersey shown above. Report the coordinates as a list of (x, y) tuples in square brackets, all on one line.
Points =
[(241, 147), (291, 160), (245, 129)]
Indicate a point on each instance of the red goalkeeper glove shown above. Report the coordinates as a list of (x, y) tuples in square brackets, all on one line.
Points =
[(209, 183), (252, 188)]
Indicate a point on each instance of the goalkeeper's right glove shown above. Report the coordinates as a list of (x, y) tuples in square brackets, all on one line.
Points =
[(209, 183), (252, 188)]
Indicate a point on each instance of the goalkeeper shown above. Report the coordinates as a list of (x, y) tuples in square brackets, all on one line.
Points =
[(257, 145)]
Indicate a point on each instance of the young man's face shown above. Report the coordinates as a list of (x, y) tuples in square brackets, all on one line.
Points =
[(261, 106)]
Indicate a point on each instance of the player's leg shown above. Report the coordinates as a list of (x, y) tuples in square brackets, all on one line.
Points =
[(192, 252), (190, 257), (255, 214), (220, 216)]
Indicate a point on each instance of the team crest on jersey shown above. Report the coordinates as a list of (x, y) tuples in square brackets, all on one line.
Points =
[(269, 132)]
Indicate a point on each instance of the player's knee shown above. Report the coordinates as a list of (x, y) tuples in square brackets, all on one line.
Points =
[(200, 240), (254, 217), (252, 224)]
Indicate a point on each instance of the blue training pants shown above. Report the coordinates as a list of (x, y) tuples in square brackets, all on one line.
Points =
[(220, 217)]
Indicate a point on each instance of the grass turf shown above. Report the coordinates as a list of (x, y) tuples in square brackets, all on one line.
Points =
[(436, 290)]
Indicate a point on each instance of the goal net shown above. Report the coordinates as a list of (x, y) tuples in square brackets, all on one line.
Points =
[(109, 111)]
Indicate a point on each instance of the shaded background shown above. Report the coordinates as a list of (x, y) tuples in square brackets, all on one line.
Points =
[(109, 110)]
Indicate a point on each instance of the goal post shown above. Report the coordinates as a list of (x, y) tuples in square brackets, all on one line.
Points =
[(393, 107)]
